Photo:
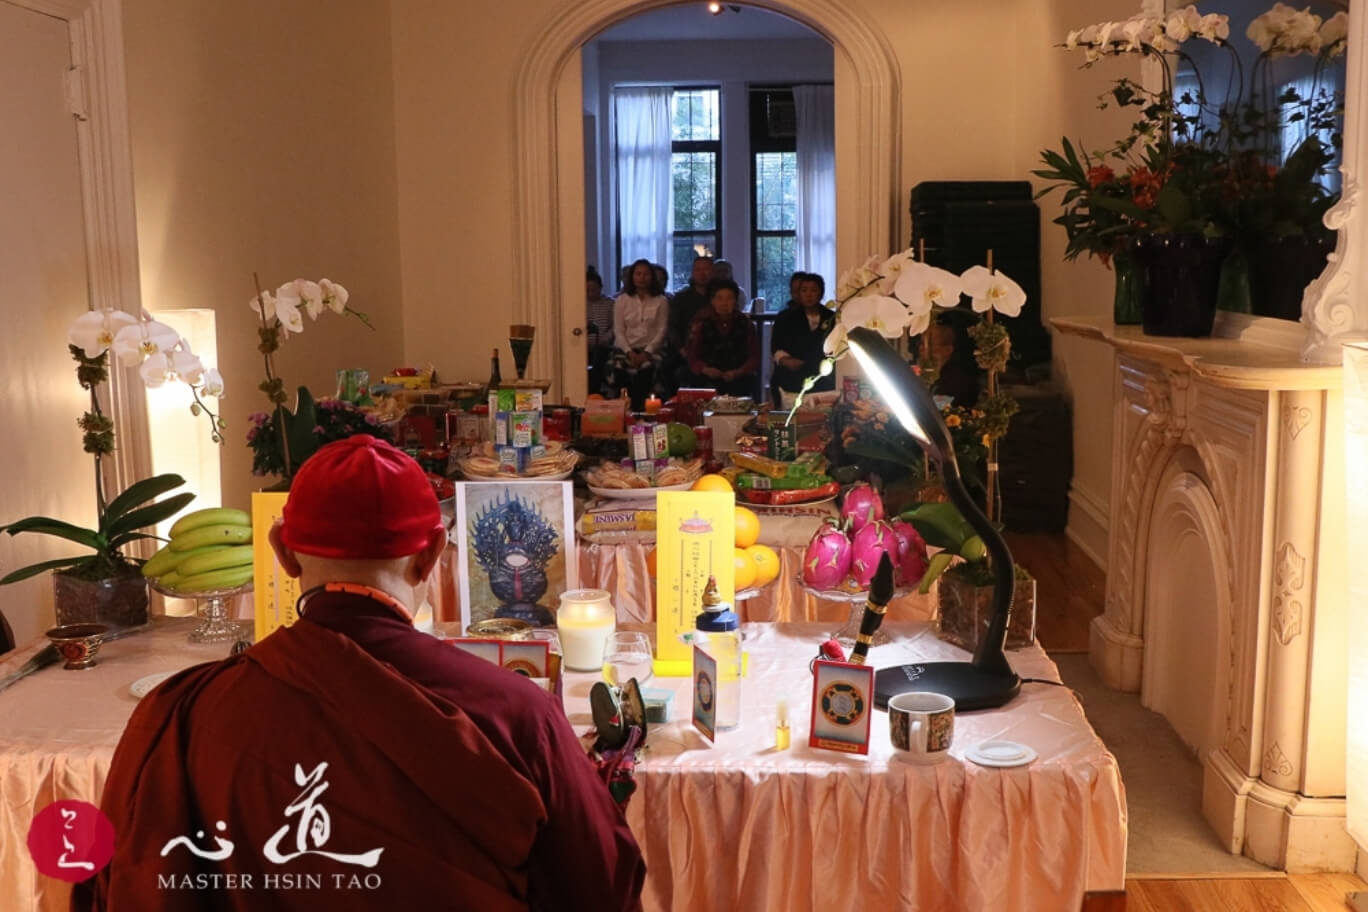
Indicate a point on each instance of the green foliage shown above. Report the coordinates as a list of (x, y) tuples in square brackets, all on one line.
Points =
[(118, 526), (309, 426)]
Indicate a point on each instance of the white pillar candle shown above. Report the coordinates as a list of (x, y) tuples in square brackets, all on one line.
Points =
[(585, 620)]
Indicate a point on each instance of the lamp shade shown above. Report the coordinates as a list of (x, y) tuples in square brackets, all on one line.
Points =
[(1356, 454)]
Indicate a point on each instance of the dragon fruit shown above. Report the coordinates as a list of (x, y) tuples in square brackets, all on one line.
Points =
[(912, 558), (869, 544), (862, 506), (827, 558)]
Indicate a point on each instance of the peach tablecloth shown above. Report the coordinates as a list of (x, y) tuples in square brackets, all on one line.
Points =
[(58, 730), (739, 825)]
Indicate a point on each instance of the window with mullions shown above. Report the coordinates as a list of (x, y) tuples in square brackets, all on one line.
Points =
[(774, 199), (695, 174)]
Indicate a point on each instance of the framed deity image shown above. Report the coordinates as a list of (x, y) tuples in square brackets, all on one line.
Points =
[(515, 549), (842, 706)]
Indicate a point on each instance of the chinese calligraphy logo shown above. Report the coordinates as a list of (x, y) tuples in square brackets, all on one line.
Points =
[(71, 840)]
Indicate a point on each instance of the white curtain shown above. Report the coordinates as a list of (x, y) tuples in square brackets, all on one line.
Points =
[(642, 135), (815, 107)]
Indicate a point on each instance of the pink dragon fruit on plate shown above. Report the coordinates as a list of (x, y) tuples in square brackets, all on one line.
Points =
[(862, 506), (826, 562), (869, 544), (912, 556)]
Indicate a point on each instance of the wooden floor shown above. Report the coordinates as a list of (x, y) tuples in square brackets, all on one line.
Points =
[(1070, 592)]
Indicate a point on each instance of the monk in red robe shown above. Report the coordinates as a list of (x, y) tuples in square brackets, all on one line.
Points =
[(350, 761)]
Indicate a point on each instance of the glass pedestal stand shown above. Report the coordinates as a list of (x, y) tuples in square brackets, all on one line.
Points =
[(856, 599), (211, 605)]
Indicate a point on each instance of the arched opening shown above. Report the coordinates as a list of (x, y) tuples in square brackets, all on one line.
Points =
[(549, 161)]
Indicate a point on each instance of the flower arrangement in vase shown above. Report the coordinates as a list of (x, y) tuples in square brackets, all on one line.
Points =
[(282, 439), (104, 585), (1195, 179)]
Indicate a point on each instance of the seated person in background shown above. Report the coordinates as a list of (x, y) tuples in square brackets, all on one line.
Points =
[(448, 780), (599, 326), (952, 351), (663, 280), (685, 305), (796, 341), (722, 270), (724, 346), (640, 317)]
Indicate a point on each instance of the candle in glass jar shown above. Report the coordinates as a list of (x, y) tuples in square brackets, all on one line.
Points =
[(652, 404), (584, 622)]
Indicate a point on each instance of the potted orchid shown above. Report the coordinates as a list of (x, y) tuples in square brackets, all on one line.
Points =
[(104, 586), (903, 295), (283, 438)]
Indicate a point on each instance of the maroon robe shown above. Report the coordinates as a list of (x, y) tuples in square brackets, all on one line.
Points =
[(467, 777)]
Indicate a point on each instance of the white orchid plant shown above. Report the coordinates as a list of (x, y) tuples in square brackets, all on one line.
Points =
[(161, 356), (281, 313)]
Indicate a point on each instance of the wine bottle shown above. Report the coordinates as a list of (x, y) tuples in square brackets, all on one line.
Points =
[(495, 378)]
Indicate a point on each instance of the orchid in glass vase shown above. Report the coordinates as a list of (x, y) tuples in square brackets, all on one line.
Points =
[(161, 356), (282, 439)]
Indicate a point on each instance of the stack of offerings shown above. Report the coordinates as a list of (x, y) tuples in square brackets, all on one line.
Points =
[(648, 450), (209, 550), (515, 417), (774, 482)]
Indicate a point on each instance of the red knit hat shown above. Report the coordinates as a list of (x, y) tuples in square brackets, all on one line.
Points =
[(360, 499)]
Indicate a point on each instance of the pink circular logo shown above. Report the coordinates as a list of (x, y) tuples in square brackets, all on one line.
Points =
[(71, 840)]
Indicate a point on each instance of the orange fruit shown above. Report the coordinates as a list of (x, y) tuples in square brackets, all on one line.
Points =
[(745, 570), (747, 528), (766, 564), (651, 562), (712, 483)]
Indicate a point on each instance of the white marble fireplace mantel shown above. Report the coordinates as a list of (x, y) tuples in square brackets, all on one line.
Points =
[(1225, 580)]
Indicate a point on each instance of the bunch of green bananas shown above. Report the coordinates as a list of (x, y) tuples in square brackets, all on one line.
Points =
[(209, 549), (942, 526)]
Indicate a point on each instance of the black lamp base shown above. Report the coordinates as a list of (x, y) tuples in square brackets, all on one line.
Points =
[(969, 686)]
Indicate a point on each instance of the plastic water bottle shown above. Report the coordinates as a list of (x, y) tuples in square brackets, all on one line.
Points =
[(718, 633)]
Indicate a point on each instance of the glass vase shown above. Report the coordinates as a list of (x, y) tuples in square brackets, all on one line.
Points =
[(117, 602), (965, 610), (1130, 289), (1182, 277), (1279, 271)]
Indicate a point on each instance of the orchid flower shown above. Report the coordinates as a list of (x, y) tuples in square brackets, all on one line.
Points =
[(162, 367), (212, 384), (922, 287), (143, 339), (263, 305), (853, 280), (886, 316), (334, 295), (94, 331), (835, 343), (993, 291), (891, 270), (287, 310), (310, 295)]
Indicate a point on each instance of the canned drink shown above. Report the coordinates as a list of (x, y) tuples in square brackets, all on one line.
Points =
[(703, 442)]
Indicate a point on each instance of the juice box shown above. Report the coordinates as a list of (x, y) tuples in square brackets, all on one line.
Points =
[(646, 468), (640, 445), (513, 460), (525, 400), (660, 440), (503, 429), (504, 400), (524, 428)]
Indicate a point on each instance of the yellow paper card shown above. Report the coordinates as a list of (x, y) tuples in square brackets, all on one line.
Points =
[(276, 593), (695, 539)]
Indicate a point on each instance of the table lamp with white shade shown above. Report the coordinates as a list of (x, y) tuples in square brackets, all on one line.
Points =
[(987, 680)]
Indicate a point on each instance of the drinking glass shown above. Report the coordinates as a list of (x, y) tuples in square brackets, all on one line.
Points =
[(626, 656)]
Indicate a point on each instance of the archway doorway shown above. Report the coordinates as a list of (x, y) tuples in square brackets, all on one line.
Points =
[(549, 214)]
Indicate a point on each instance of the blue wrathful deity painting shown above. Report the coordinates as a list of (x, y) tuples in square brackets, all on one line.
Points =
[(515, 544)]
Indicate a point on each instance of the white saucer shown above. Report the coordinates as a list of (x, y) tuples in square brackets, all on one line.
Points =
[(1001, 754), (143, 686)]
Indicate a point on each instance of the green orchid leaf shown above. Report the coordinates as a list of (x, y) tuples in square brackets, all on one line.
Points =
[(299, 428), (938, 564), (128, 537), (140, 492), (46, 525), (24, 573), (150, 515)]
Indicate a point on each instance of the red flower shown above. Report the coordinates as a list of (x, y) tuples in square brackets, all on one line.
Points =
[(1100, 174), (1145, 186)]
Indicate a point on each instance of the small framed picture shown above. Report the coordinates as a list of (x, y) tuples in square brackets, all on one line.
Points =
[(704, 693), (515, 549), (531, 659), (485, 649), (842, 706)]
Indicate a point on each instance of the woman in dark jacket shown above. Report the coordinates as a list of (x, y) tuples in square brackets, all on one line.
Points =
[(724, 347), (799, 332)]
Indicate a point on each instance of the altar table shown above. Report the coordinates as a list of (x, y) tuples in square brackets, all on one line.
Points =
[(735, 826)]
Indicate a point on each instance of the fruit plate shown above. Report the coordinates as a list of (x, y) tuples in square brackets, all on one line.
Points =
[(636, 493), (143, 686), (212, 606), (751, 592), (854, 596), (741, 501), (202, 595)]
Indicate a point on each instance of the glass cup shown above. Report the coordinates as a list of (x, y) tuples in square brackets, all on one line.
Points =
[(584, 622), (625, 656)]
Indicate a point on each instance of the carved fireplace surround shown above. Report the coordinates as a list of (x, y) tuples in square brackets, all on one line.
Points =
[(1225, 580)]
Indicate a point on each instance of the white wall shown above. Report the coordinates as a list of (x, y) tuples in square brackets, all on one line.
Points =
[(731, 65)]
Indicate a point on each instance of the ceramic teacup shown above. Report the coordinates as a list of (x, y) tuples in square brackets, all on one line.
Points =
[(921, 726), (78, 643)]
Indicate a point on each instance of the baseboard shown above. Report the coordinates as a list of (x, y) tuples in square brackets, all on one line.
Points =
[(1215, 875), (1089, 521)]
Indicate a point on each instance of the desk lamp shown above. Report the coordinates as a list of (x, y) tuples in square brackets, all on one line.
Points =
[(987, 680)]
